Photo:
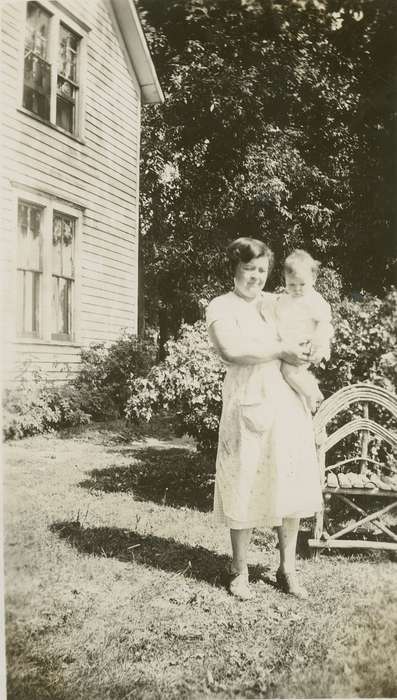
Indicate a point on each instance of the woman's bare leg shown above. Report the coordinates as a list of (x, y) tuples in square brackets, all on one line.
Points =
[(286, 577), (287, 538), (240, 542)]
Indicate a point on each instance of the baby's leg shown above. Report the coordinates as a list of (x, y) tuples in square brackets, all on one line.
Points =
[(304, 383)]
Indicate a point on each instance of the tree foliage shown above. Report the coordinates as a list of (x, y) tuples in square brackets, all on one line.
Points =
[(278, 122)]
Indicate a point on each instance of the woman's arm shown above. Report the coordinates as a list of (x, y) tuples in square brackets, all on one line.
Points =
[(233, 347)]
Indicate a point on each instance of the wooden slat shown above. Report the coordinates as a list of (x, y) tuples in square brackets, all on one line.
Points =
[(350, 394), (366, 519), (361, 492), (351, 544), (356, 425)]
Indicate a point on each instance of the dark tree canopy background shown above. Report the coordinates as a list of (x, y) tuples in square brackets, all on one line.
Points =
[(279, 122)]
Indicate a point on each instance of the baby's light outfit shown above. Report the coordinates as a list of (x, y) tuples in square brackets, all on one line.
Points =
[(306, 319)]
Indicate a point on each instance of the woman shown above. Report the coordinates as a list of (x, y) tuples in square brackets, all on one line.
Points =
[(266, 470)]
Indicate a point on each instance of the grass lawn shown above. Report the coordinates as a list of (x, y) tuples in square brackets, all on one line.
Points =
[(115, 587)]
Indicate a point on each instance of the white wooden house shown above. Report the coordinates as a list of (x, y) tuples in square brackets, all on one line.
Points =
[(74, 76)]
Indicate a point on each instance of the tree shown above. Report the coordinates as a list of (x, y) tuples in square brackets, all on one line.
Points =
[(269, 129)]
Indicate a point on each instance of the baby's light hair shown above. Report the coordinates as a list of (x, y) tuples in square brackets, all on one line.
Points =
[(300, 258)]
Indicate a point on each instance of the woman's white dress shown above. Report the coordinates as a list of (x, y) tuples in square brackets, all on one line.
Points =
[(266, 466)]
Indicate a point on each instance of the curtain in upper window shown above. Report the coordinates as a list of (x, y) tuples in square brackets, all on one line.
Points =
[(37, 69)]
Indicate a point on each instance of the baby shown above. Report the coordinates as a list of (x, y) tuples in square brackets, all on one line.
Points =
[(304, 317)]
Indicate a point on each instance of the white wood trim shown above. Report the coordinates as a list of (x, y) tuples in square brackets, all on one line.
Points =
[(74, 22), (44, 196), (76, 336), (137, 218), (45, 321), (50, 205), (59, 15), (130, 26), (12, 329), (53, 51), (82, 91), (123, 46), (22, 7)]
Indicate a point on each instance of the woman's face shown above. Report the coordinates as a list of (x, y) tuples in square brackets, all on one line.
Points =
[(251, 276)]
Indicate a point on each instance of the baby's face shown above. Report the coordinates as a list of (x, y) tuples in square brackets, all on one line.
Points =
[(299, 282)]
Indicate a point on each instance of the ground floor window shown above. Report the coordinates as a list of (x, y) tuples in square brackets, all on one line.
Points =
[(47, 247), (29, 268)]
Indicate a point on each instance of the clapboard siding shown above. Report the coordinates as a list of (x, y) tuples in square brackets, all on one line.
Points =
[(95, 156), (97, 173), (57, 362), (62, 169), (88, 164)]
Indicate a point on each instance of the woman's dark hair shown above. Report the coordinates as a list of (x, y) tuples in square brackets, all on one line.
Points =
[(246, 249)]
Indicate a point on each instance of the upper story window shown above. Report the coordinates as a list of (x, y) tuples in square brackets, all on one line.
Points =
[(67, 79), (52, 61), (37, 69)]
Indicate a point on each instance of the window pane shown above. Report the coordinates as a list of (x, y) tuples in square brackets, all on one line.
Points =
[(67, 55), (29, 227), (37, 86), (65, 114), (28, 302), (57, 246), (66, 89), (68, 247), (61, 306), (63, 245), (37, 29)]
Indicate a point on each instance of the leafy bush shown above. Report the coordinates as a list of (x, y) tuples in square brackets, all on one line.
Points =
[(99, 391), (189, 381), (36, 406), (364, 344), (102, 382)]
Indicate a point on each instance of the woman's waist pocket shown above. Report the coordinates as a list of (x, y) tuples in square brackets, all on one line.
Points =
[(256, 416)]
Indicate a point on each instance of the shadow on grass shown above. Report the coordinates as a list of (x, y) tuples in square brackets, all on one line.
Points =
[(149, 550), (169, 476)]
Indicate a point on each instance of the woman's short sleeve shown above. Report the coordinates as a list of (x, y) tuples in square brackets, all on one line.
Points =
[(216, 310)]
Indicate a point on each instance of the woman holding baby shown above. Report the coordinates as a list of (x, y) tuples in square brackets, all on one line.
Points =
[(266, 471)]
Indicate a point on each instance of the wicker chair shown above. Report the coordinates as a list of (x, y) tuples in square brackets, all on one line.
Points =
[(379, 487)]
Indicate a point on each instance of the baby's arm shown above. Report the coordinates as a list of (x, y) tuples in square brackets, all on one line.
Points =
[(323, 334)]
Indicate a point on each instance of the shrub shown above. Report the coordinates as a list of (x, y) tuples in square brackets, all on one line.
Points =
[(99, 391), (36, 406), (103, 378), (364, 344), (189, 381)]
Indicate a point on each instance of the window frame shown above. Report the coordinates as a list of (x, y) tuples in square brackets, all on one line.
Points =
[(20, 268), (55, 335), (49, 205), (58, 17)]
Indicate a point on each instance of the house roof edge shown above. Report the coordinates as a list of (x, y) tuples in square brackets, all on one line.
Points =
[(135, 41)]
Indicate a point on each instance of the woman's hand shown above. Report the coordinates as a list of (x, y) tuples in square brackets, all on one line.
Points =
[(295, 355)]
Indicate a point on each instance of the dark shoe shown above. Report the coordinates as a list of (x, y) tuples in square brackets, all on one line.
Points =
[(290, 584)]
